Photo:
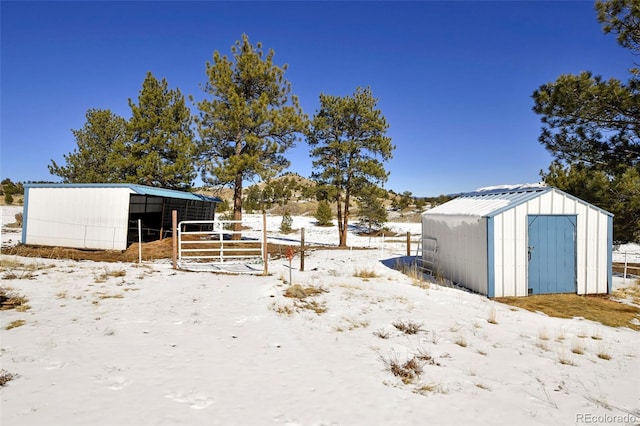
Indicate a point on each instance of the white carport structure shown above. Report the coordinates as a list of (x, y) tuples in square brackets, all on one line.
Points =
[(105, 216)]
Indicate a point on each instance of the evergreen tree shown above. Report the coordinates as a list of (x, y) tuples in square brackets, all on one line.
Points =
[(324, 214), (253, 198), (348, 142), (285, 225), (249, 121), (161, 149), (371, 211), (619, 193), (99, 145), (590, 127), (405, 200)]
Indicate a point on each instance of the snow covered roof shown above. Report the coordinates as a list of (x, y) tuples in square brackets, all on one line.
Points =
[(491, 201), (487, 202), (134, 188)]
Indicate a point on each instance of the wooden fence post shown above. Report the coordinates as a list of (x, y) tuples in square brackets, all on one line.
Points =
[(408, 243)]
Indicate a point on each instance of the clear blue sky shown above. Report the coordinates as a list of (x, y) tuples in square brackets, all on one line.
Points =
[(453, 79)]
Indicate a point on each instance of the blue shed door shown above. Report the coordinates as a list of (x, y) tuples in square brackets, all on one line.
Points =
[(552, 254)]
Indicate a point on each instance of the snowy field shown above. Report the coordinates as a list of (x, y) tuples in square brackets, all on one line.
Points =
[(129, 344)]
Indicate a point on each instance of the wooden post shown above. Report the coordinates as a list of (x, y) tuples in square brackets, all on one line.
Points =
[(302, 249), (174, 236), (265, 255), (408, 243)]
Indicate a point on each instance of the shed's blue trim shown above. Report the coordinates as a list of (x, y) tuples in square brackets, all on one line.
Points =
[(25, 214), (138, 189), (491, 272), (609, 254)]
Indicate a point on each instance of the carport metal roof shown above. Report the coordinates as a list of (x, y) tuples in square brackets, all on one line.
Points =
[(134, 188)]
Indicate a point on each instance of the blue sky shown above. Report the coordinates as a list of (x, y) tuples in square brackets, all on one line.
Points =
[(454, 79)]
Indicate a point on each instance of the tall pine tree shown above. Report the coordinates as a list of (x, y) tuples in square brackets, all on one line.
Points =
[(591, 127), (249, 120), (161, 149), (349, 143)]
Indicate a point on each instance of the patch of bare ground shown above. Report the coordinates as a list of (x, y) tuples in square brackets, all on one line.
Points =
[(599, 308), (161, 249)]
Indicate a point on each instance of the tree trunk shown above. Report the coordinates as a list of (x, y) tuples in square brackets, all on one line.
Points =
[(339, 217), (345, 223), (237, 206), (237, 194)]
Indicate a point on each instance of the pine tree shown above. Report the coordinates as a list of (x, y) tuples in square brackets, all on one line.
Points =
[(371, 210), (349, 143), (590, 127), (161, 150), (250, 120), (287, 221), (324, 214), (99, 147)]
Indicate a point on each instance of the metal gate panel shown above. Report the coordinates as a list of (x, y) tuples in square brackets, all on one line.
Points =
[(211, 243)]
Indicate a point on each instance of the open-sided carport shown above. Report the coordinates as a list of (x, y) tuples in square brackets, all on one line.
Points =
[(105, 216)]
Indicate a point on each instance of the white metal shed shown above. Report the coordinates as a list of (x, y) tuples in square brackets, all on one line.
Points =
[(105, 216), (520, 241)]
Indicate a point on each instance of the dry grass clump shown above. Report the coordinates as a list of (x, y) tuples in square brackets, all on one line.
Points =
[(312, 305), (598, 308), (296, 291), (491, 319), (352, 324), (365, 274), (413, 271), (408, 327), (6, 377), (407, 371), (103, 295), (428, 388), (103, 276), (300, 295), (630, 292), (381, 333), (602, 353), (577, 347), (542, 344), (14, 324), (283, 309), (424, 356), (9, 299), (461, 341), (482, 386), (564, 359)]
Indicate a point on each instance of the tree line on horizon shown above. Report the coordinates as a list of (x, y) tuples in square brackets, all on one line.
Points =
[(249, 119)]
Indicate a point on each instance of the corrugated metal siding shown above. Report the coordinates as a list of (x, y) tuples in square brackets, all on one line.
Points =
[(76, 217), (462, 252), (505, 250)]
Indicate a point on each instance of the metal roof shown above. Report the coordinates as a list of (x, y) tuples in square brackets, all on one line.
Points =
[(492, 202), (134, 188)]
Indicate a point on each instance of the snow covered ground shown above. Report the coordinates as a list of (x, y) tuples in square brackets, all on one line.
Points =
[(128, 344)]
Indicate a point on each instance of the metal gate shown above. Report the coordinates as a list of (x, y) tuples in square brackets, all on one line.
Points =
[(215, 245)]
